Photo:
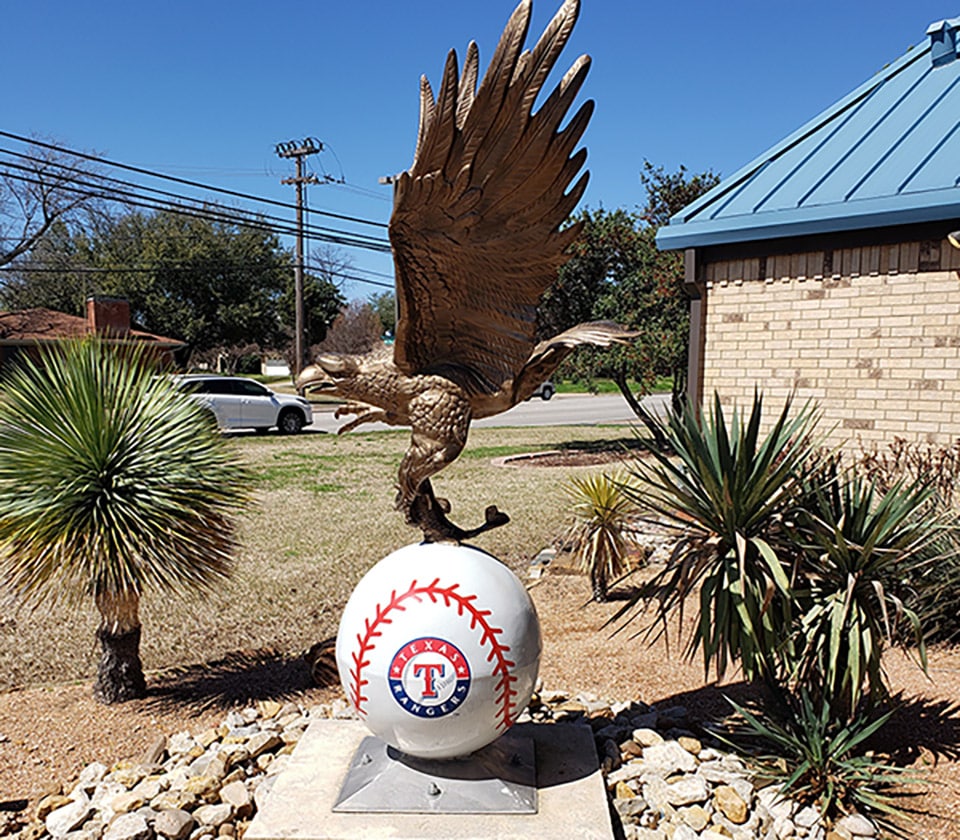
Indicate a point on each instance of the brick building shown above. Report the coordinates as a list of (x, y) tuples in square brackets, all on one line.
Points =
[(25, 330), (823, 268)]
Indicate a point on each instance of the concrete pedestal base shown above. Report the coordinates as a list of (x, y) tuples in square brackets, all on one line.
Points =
[(572, 800)]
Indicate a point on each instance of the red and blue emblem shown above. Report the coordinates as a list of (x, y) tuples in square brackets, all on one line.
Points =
[(429, 677)]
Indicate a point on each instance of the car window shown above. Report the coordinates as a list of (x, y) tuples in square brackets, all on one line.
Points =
[(219, 386), (249, 388), (193, 387)]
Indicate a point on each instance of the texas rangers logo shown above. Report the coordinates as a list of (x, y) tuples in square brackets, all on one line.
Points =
[(429, 677)]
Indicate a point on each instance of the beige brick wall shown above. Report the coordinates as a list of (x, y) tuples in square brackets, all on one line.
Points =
[(871, 334)]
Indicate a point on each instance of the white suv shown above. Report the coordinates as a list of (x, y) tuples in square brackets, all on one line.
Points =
[(239, 403)]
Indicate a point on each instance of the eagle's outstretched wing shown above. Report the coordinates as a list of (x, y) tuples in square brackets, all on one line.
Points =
[(475, 224)]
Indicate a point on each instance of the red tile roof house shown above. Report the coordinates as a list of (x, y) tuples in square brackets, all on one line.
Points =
[(26, 330), (825, 267)]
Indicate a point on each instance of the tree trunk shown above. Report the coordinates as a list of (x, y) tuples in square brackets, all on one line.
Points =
[(119, 672), (598, 578), (620, 377)]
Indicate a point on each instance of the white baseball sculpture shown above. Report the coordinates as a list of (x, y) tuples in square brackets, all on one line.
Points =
[(438, 649)]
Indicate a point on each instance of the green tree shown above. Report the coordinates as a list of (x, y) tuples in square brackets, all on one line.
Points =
[(57, 274), (218, 286), (385, 305), (617, 272), (111, 483)]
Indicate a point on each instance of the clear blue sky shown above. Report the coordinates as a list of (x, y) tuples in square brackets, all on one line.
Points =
[(205, 89)]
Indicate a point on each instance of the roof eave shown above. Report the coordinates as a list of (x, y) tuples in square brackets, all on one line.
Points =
[(879, 212)]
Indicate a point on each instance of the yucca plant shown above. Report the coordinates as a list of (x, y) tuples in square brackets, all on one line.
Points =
[(730, 492), (820, 761), (111, 483), (602, 511), (863, 544)]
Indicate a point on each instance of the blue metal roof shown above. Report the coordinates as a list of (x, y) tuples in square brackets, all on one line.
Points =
[(887, 154)]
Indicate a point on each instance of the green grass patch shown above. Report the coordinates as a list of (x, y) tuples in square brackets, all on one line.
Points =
[(663, 385), (501, 451)]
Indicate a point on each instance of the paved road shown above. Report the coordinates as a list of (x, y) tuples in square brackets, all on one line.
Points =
[(562, 410)]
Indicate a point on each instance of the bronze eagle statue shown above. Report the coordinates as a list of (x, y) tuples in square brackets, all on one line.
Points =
[(477, 239)]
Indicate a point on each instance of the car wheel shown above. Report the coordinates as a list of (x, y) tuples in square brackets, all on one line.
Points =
[(547, 392), (290, 422)]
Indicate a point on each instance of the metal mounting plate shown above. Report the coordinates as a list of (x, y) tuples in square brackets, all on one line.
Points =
[(501, 778)]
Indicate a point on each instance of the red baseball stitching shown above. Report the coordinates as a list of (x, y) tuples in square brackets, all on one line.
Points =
[(504, 686)]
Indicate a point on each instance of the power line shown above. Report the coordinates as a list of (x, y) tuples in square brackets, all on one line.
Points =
[(94, 184), (343, 275), (85, 176), (186, 181), (207, 211)]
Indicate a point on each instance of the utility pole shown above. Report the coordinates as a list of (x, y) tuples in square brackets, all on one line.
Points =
[(298, 150)]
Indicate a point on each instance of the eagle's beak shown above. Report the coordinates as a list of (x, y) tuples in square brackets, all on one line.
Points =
[(324, 375), (314, 378)]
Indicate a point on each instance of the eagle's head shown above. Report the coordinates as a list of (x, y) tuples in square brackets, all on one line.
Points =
[(332, 373)]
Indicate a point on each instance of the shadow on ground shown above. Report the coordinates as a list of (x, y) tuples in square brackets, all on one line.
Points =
[(710, 703), (920, 727), (240, 677)]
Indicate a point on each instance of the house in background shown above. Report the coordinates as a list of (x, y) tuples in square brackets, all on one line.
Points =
[(26, 330), (822, 268)]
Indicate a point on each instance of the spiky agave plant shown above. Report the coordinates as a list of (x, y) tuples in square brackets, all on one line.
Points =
[(601, 510), (820, 760), (863, 545), (728, 488), (111, 483)]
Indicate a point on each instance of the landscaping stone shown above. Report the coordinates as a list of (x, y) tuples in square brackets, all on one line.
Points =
[(174, 824), (664, 782), (128, 827), (731, 804)]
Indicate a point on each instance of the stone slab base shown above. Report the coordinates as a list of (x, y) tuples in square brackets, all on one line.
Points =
[(572, 800)]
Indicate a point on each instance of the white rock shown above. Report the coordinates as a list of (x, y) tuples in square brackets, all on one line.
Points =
[(181, 744), (716, 772), (683, 832), (745, 788), (174, 823), (688, 790), (775, 805), (92, 773), (128, 827), (646, 737), (234, 719), (655, 792), (213, 815), (784, 828), (858, 825), (69, 817), (669, 758), (806, 817)]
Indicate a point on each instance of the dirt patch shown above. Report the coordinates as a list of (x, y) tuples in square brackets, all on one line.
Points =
[(580, 454)]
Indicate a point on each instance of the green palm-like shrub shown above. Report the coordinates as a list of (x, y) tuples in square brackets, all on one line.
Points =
[(111, 483), (730, 493), (819, 761), (862, 545), (802, 573), (602, 510)]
